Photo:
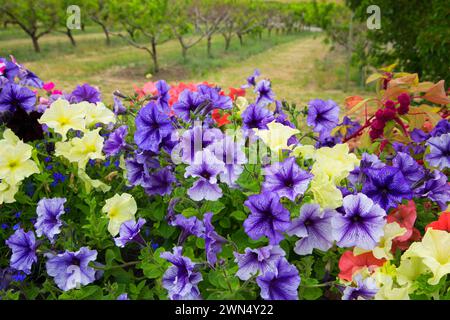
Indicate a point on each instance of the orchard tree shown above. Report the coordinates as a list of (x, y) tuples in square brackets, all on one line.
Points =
[(35, 18), (62, 20), (143, 19), (100, 12)]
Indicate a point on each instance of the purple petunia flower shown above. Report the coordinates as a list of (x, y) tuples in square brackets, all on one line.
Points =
[(123, 296), (436, 189), (230, 152), (138, 167), (213, 242), (86, 93), (286, 179), (28, 78), (264, 93), (152, 125), (268, 217), (188, 102), (255, 261), (361, 225), (197, 139), (251, 80), (163, 95), (181, 279), (11, 69), (215, 99), (159, 182), (280, 285), (439, 155), (365, 289), (386, 186), (256, 117), (14, 96), (116, 141), (71, 269), (118, 107), (314, 227), (206, 167), (442, 127), (411, 170), (49, 213), (418, 135), (129, 231), (189, 226), (23, 246), (323, 116)]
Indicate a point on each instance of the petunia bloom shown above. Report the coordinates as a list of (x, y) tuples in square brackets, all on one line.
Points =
[(13, 96), (350, 263), (439, 155), (189, 226), (323, 116), (116, 141), (264, 93), (188, 102), (314, 227), (256, 117), (23, 246), (159, 182), (443, 223), (361, 225), (129, 232), (281, 284), (119, 208), (411, 170), (181, 280), (435, 188), (49, 213), (152, 125), (286, 179), (86, 93), (213, 241), (267, 217), (257, 261), (277, 136), (387, 187), (70, 270), (365, 289)]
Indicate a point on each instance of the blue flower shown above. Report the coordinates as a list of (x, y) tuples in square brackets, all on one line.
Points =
[(49, 213), (261, 260), (85, 92), (23, 246), (116, 141), (188, 102), (439, 155), (323, 116), (256, 117), (129, 231), (281, 284), (213, 242), (264, 93), (365, 289), (189, 226), (159, 182), (14, 96)]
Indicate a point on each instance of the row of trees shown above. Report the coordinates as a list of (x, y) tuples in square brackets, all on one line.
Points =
[(146, 24)]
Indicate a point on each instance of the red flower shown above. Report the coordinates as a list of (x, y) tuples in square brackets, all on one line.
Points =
[(221, 120), (443, 223), (349, 263), (405, 216), (236, 92)]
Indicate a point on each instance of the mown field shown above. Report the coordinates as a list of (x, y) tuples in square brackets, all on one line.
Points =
[(296, 64)]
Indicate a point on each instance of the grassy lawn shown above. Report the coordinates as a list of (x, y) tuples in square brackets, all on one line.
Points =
[(294, 63)]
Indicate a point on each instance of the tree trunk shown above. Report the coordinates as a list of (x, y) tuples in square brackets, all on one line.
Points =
[(36, 46), (72, 40), (241, 40), (227, 41), (208, 46), (155, 57), (106, 32)]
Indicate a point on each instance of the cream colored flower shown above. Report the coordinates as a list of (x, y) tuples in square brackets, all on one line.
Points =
[(119, 209), (96, 113), (7, 192), (277, 136)]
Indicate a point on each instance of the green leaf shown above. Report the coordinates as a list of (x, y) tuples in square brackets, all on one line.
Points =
[(239, 215)]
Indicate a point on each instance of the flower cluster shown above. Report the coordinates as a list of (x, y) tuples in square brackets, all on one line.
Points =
[(187, 191)]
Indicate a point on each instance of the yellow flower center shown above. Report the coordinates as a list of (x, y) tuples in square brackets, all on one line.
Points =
[(113, 213), (12, 164), (63, 121)]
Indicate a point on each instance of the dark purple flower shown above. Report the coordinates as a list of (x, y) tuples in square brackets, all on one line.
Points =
[(439, 155), (314, 227), (85, 92), (323, 116), (159, 182), (28, 78), (255, 261), (71, 269), (49, 213), (129, 231), (361, 225), (116, 141), (281, 284), (365, 289), (188, 102), (10, 71), (268, 217), (25, 125), (197, 139), (13, 97), (152, 125), (216, 100), (386, 186), (442, 127), (264, 93), (411, 170), (138, 167), (23, 246), (213, 242), (118, 108), (181, 279), (286, 179), (6, 277), (163, 94), (350, 126), (206, 167), (256, 117), (189, 226), (418, 135), (435, 188), (251, 80)]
